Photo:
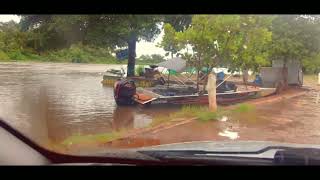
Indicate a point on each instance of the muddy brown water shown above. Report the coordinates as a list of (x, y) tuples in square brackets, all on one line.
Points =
[(50, 102)]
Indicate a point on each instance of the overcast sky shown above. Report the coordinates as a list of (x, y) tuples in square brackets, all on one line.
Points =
[(146, 48)]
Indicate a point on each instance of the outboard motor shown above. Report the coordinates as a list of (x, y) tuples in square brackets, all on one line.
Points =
[(124, 91)]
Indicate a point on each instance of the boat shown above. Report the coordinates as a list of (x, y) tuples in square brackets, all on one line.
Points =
[(127, 94), (149, 96)]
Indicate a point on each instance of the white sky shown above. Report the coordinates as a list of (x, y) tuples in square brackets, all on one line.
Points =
[(143, 47)]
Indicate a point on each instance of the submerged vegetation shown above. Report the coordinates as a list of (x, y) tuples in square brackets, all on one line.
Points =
[(94, 138)]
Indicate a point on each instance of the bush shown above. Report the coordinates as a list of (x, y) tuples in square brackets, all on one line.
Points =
[(16, 55), (4, 56), (243, 108), (81, 54), (77, 53), (207, 115), (139, 70)]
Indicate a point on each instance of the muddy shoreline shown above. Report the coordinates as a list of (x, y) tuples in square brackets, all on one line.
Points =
[(183, 130)]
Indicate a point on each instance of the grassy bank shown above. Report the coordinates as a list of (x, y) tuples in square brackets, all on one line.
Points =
[(202, 113), (94, 138), (75, 54)]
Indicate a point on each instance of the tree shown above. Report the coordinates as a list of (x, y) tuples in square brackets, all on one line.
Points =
[(169, 42), (295, 37), (54, 31), (311, 65), (124, 31), (252, 42), (11, 37), (111, 31), (210, 37), (178, 22)]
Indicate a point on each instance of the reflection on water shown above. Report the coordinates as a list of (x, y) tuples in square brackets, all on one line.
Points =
[(123, 117), (229, 134)]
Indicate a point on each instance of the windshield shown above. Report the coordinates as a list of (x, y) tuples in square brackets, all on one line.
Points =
[(87, 83)]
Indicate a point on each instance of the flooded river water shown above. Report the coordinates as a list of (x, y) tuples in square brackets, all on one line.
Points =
[(52, 101)]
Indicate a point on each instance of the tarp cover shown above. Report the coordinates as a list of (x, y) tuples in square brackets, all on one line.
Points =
[(177, 64)]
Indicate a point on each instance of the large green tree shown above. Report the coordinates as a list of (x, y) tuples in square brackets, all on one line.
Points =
[(252, 42), (11, 38), (210, 37), (169, 41), (125, 31), (114, 31), (295, 37)]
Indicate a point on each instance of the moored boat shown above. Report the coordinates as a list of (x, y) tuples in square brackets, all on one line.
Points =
[(184, 95)]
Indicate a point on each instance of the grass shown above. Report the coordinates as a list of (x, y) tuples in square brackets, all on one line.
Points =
[(202, 113), (94, 138), (243, 108), (75, 54)]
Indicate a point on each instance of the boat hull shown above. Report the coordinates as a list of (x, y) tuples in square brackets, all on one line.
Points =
[(222, 99)]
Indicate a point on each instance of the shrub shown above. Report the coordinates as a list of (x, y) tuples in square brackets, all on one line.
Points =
[(4, 56), (243, 108), (139, 70)]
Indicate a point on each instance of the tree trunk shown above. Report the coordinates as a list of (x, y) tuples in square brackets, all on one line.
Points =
[(207, 77), (245, 76), (171, 55), (132, 55), (198, 72), (285, 73)]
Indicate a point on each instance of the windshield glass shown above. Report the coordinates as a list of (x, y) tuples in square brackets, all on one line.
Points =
[(87, 83)]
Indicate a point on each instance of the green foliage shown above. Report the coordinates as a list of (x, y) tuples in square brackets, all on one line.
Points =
[(295, 37), (243, 108), (3, 56), (207, 116), (200, 112), (139, 70), (311, 65), (79, 53), (94, 138), (178, 22), (170, 42), (209, 36), (254, 38), (149, 60)]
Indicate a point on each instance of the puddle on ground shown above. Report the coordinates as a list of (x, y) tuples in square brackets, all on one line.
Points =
[(229, 134)]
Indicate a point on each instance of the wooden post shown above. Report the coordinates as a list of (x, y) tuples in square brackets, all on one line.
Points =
[(319, 79), (211, 88)]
